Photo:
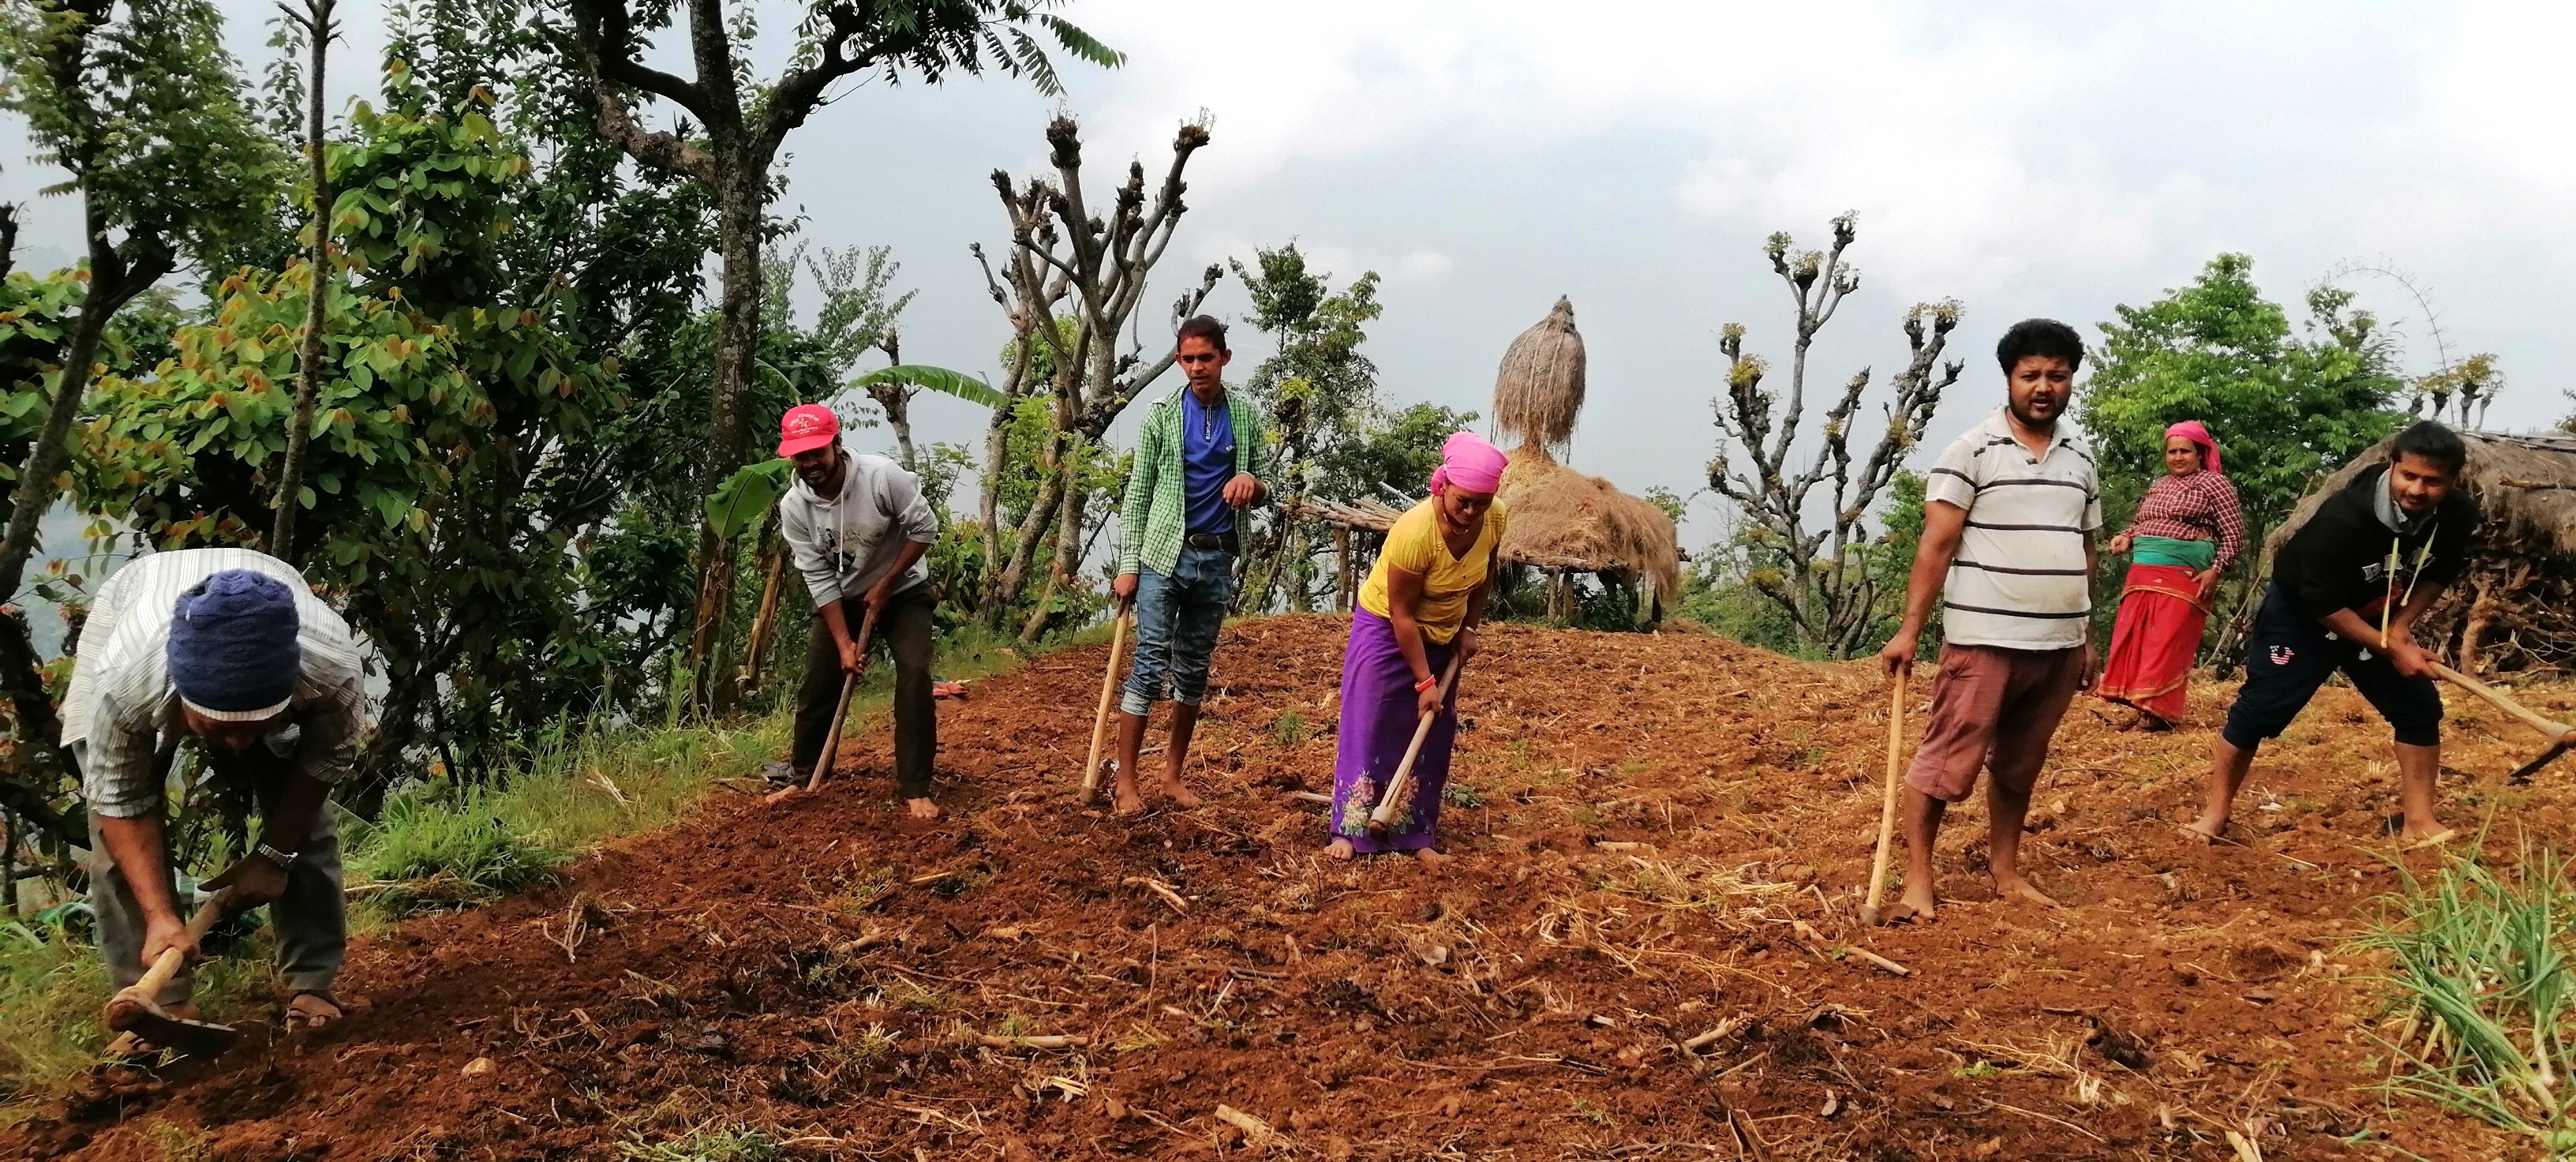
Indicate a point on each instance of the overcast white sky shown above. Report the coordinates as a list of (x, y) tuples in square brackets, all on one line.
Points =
[(1485, 158)]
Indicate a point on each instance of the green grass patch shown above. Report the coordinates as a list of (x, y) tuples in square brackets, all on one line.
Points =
[(52, 987), (2482, 968), (446, 846), (707, 1144)]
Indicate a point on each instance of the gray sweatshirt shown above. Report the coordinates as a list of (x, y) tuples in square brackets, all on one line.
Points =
[(844, 544)]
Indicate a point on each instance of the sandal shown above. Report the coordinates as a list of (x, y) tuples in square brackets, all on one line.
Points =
[(311, 1011)]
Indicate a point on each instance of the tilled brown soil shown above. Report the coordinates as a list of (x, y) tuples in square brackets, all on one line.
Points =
[(1645, 948)]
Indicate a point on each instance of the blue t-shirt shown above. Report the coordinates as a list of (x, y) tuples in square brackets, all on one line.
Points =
[(1207, 462)]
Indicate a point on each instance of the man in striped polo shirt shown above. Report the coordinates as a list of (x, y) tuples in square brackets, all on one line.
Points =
[(228, 647), (2010, 513)]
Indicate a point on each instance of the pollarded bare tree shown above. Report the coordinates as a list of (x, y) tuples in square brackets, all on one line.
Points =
[(1820, 575), (730, 131), (1071, 279)]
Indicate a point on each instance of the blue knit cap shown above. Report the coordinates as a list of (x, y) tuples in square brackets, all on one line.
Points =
[(233, 653)]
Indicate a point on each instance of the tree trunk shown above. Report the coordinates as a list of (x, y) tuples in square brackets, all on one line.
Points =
[(896, 399), (308, 355), (8, 864), (1067, 567), (737, 346), (988, 499), (1006, 588)]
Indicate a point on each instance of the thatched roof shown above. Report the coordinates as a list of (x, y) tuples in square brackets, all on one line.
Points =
[(1538, 391), (2525, 485), (1557, 511), (1561, 519)]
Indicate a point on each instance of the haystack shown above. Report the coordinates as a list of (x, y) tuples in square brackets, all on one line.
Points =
[(1582, 523), (1563, 522), (2515, 607), (1538, 391), (1559, 514)]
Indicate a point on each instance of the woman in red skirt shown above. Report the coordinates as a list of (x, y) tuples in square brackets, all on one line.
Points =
[(2187, 531)]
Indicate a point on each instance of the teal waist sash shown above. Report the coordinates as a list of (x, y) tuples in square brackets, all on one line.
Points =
[(2193, 555)]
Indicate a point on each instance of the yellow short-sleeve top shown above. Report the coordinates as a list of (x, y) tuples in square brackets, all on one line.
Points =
[(1414, 545)]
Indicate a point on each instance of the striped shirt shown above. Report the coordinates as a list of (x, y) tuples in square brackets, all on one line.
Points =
[(2019, 581), (121, 702)]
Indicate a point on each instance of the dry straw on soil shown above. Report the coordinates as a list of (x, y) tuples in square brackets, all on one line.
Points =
[(1538, 392), (2515, 608)]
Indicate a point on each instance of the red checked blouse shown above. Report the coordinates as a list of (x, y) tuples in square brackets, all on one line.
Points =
[(2198, 507)]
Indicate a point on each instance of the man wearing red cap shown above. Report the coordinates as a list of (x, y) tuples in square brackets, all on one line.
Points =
[(857, 527)]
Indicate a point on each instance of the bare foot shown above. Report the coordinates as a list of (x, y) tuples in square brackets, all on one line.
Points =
[(1129, 802), (1430, 857), (2205, 829), (1178, 792), (2429, 835), (2012, 886), (1339, 848), (922, 808), (1915, 904)]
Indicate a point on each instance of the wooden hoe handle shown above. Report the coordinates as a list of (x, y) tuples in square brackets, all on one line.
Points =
[(1401, 785), (1887, 806), (1108, 694), (2555, 731), (841, 709), (145, 991)]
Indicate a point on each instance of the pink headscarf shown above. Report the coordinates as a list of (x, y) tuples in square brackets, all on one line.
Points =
[(1467, 461), (2195, 432)]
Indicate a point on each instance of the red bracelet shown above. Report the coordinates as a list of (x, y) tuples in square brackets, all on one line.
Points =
[(1425, 684)]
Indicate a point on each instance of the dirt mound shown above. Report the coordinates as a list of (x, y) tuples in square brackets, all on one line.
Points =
[(1645, 949)]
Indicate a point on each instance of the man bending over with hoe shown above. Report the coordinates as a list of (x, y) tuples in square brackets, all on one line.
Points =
[(2345, 592), (2009, 517), (857, 527), (228, 647), (1199, 463)]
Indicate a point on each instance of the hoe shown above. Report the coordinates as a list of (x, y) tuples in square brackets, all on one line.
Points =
[(2560, 735)]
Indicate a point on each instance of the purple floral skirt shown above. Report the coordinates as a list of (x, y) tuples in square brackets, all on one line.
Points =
[(1377, 724)]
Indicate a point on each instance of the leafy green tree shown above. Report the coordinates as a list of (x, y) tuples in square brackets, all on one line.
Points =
[(453, 425), (37, 316), (2287, 406), (732, 129), (1321, 395), (1393, 456), (141, 105)]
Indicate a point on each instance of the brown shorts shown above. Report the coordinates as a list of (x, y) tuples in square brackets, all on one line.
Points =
[(1995, 708)]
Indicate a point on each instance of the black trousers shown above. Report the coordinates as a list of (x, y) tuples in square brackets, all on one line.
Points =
[(2288, 655), (904, 630)]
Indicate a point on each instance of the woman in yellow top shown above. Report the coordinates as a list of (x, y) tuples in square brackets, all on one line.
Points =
[(1420, 607)]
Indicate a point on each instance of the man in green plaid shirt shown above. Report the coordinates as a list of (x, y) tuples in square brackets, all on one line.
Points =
[(1199, 463)]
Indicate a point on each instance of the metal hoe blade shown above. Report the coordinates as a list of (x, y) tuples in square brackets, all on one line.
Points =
[(193, 1038), (2523, 773)]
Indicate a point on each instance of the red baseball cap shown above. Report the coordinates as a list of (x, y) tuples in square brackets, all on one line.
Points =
[(806, 427)]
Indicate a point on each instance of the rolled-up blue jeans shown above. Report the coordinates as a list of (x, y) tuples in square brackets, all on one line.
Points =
[(1177, 619)]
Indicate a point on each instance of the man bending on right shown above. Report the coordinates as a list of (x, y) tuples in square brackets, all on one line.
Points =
[(2345, 592)]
